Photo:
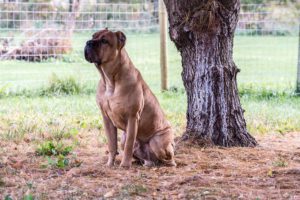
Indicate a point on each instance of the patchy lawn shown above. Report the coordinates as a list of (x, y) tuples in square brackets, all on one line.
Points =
[(269, 171)]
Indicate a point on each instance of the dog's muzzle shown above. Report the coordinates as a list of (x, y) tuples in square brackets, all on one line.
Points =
[(88, 53)]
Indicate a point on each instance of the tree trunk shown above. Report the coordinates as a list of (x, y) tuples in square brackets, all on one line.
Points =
[(203, 31)]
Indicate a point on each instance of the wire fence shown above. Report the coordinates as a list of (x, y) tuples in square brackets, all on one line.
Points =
[(38, 39)]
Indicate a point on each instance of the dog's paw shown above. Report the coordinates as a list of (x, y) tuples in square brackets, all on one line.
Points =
[(125, 165), (148, 163), (172, 163), (110, 163)]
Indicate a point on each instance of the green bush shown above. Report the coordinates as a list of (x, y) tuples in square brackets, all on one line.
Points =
[(50, 148), (59, 86), (61, 161), (4, 90)]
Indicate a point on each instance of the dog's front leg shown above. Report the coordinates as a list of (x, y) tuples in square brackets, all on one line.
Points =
[(111, 135), (131, 130)]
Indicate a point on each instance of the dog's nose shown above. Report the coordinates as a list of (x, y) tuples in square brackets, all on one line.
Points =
[(88, 43)]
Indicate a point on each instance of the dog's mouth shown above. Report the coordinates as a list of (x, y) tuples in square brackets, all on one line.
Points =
[(87, 54), (90, 56)]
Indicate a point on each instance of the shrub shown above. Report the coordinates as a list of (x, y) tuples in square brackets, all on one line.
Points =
[(61, 161), (50, 148), (3, 90), (59, 86)]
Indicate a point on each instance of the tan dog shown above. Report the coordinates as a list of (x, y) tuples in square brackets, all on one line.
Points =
[(127, 103)]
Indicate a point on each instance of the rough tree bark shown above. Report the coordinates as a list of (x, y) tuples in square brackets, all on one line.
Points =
[(203, 32)]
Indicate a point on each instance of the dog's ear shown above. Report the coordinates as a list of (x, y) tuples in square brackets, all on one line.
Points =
[(121, 39)]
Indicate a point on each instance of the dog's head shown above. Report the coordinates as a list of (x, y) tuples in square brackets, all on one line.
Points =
[(104, 46)]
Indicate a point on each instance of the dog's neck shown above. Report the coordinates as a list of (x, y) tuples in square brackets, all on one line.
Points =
[(110, 70)]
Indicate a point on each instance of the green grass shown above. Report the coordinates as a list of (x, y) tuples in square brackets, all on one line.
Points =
[(267, 60), (279, 115), (267, 81), (21, 116), (53, 115), (264, 60)]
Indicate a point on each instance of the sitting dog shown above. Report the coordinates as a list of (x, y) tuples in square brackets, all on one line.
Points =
[(127, 103)]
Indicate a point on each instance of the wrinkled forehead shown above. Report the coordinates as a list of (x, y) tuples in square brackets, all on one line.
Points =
[(103, 34)]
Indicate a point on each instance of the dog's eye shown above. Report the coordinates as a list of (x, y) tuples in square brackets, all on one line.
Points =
[(104, 41)]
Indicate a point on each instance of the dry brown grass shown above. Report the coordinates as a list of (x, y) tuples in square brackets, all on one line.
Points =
[(270, 171)]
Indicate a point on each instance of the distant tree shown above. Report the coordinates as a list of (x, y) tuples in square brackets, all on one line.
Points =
[(203, 33)]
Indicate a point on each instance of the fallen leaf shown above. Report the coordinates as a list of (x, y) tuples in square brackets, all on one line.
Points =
[(109, 194)]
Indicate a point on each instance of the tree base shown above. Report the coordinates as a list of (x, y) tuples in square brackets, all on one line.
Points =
[(204, 141)]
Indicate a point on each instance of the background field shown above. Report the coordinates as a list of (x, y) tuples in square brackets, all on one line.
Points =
[(266, 82), (265, 61), (52, 143)]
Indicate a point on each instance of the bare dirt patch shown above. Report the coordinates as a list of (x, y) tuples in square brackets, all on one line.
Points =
[(270, 171)]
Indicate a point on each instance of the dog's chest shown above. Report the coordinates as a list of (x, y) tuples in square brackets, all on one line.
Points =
[(114, 108)]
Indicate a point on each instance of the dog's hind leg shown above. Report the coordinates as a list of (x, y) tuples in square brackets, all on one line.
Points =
[(143, 153), (163, 148)]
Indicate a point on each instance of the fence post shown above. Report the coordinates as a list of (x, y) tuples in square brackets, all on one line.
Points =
[(298, 71), (163, 45)]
